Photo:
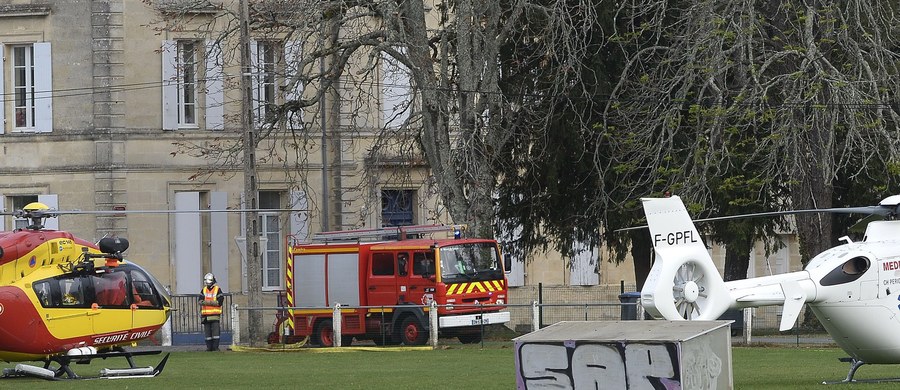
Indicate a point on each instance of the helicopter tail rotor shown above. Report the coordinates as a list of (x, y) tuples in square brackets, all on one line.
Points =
[(684, 283)]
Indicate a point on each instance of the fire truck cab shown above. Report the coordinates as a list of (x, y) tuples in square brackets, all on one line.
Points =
[(387, 286)]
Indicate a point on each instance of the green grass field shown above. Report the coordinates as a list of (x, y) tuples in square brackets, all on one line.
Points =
[(455, 367)]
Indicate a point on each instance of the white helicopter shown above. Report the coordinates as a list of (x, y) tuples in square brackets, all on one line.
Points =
[(853, 288)]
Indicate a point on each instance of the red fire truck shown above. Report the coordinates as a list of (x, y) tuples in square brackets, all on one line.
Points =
[(388, 285)]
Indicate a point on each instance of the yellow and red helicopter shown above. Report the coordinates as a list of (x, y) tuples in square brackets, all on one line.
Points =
[(64, 299)]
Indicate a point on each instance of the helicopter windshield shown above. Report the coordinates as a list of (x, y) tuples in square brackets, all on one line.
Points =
[(470, 262), (145, 285)]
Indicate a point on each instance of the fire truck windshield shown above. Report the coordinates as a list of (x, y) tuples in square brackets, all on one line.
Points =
[(475, 261)]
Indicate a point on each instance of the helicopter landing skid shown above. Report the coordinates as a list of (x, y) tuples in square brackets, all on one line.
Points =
[(65, 371), (854, 365)]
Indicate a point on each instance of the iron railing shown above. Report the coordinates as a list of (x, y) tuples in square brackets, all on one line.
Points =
[(186, 313), (541, 305)]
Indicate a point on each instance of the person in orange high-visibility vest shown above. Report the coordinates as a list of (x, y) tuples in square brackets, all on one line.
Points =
[(211, 311)]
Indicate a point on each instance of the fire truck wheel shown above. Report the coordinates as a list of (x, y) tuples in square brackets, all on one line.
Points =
[(324, 334), (411, 332)]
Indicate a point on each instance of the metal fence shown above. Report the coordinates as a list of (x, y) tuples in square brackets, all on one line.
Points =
[(566, 303), (575, 303), (530, 307), (186, 314)]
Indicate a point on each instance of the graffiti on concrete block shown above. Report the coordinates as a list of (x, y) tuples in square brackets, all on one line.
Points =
[(610, 365)]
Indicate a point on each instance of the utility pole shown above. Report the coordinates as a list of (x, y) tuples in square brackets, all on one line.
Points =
[(251, 193)]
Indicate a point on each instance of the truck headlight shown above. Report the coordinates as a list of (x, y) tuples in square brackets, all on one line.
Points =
[(500, 301)]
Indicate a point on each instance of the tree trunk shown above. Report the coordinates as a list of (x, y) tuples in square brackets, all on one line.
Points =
[(812, 190), (641, 254), (737, 259)]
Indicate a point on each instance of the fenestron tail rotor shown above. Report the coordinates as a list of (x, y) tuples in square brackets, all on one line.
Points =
[(690, 291)]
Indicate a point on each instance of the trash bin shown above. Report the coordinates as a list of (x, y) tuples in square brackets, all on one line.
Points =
[(629, 307)]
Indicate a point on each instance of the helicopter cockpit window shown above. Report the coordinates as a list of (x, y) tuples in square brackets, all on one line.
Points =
[(110, 289), (44, 293), (849, 271), (72, 292), (142, 294)]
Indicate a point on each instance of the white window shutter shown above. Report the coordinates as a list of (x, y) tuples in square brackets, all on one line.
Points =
[(256, 72), (3, 106), (169, 85), (215, 87), (43, 88), (395, 92), (188, 254), (218, 237), (293, 52), (300, 215), (515, 276), (584, 265), (241, 241), (52, 201)]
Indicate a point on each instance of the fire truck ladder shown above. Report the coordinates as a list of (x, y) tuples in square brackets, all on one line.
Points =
[(400, 232)]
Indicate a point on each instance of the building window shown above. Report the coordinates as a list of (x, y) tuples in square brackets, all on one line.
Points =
[(28, 77), (23, 86), (193, 85), (270, 229), (397, 207), (187, 83), (264, 59), (19, 203)]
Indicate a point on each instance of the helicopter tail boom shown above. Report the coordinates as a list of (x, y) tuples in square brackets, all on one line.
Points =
[(790, 290), (684, 283)]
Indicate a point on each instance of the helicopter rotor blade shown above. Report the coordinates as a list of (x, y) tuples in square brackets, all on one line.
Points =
[(76, 212), (867, 210), (56, 213)]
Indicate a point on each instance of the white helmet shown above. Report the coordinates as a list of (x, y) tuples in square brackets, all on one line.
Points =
[(209, 279)]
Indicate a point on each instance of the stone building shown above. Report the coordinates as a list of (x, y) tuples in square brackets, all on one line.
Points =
[(109, 107)]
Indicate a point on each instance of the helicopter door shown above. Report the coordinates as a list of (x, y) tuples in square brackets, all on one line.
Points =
[(109, 293), (147, 302), (65, 309)]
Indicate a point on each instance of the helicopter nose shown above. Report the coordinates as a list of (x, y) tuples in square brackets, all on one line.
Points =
[(17, 318)]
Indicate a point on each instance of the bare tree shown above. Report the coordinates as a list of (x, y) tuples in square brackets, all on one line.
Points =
[(455, 118), (449, 113), (812, 84)]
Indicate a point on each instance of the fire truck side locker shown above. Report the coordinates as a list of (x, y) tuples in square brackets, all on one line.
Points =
[(322, 280)]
